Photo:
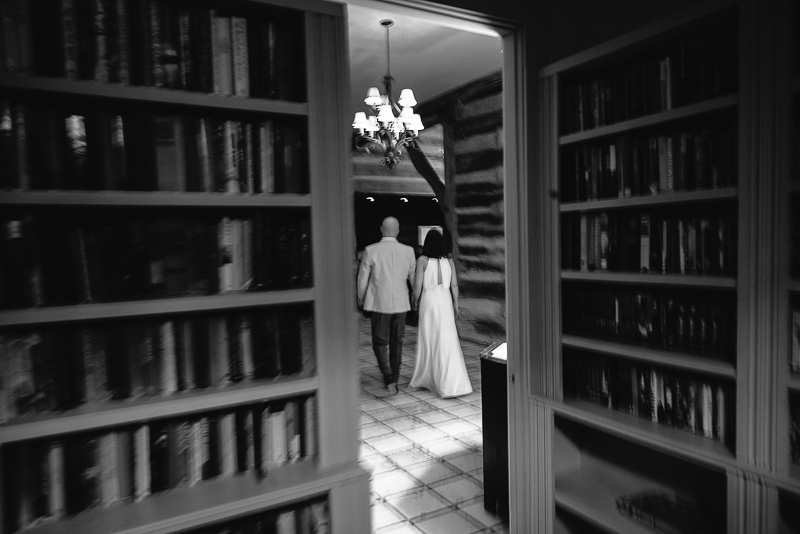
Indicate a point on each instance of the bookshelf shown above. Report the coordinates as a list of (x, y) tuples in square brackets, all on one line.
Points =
[(625, 209), (170, 288)]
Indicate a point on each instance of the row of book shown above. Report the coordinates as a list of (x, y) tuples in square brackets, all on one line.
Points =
[(59, 369), (641, 165), (696, 404), (305, 518), (693, 322), (698, 67), (648, 243), (45, 147), (158, 43), (62, 259), (60, 477)]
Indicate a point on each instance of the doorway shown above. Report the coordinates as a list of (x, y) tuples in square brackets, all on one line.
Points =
[(426, 453)]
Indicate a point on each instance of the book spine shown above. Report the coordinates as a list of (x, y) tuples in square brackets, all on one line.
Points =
[(123, 47), (185, 49), (223, 66), (279, 443), (644, 241), (205, 157), (246, 345), (293, 431), (286, 522), (230, 157), (196, 453), (265, 444), (69, 34), (56, 494), (168, 367), (241, 66), (227, 444), (308, 343), (219, 357), (22, 180), (225, 243), (310, 427), (109, 477), (101, 67), (720, 428), (266, 157), (584, 231), (707, 410)]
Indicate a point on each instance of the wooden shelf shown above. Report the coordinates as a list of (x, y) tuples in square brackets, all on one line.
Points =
[(684, 112), (675, 360), (678, 197), (149, 199), (679, 280), (211, 501), (127, 412), (653, 435), (148, 95), (151, 308), (591, 493)]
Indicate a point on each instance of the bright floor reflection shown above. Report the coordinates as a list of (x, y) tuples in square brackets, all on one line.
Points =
[(425, 453)]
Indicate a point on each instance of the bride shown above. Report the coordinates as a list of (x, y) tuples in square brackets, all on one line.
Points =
[(440, 363)]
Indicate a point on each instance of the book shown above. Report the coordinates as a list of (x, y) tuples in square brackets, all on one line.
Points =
[(141, 462), (159, 456), (56, 491), (82, 473), (245, 440), (293, 431), (226, 243), (168, 368), (170, 156), (227, 444), (222, 54), (219, 358), (309, 427), (240, 60), (279, 445), (196, 450), (170, 46), (644, 241), (180, 453), (264, 454), (119, 45), (109, 475)]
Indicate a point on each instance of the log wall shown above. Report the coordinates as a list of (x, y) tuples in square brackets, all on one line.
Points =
[(472, 122)]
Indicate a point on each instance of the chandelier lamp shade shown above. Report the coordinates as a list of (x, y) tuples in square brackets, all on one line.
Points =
[(390, 126)]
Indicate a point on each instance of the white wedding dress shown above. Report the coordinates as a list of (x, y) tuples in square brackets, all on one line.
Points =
[(440, 362)]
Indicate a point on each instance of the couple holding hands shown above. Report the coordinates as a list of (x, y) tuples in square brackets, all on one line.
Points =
[(385, 270)]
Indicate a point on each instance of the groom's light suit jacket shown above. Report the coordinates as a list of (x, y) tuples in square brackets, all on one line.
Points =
[(382, 275)]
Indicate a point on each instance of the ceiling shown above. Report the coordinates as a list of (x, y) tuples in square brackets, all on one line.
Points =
[(428, 57)]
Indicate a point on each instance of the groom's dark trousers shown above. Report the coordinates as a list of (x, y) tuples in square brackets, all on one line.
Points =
[(388, 330)]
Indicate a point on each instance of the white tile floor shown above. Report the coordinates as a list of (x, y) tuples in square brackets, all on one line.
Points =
[(425, 453)]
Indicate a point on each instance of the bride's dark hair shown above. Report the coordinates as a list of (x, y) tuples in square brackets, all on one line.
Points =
[(434, 245)]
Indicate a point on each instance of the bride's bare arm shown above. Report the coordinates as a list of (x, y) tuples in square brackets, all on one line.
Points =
[(422, 262), (453, 286)]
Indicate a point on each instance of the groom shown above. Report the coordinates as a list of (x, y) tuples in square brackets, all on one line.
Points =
[(385, 268)]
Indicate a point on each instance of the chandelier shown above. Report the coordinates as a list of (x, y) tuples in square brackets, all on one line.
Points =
[(390, 126)]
